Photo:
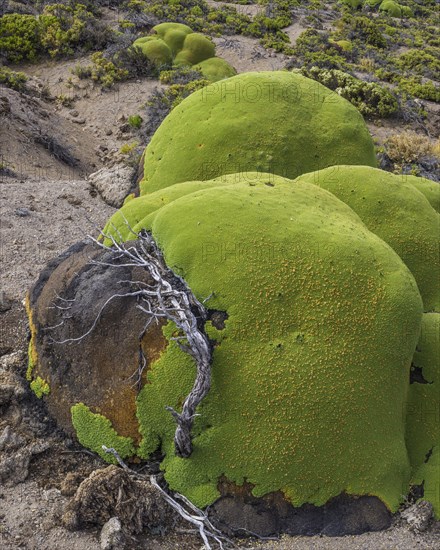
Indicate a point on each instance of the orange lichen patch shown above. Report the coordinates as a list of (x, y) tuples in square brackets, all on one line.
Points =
[(119, 404)]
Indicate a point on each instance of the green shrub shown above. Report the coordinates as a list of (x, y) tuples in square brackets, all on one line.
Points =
[(59, 30), (135, 121), (105, 72), (12, 79), (421, 62), (370, 98), (362, 29), (19, 37), (423, 90)]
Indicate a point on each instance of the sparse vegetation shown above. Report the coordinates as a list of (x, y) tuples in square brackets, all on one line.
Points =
[(409, 147), (13, 79)]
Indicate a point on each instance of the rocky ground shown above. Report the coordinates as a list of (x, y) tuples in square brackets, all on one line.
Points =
[(50, 143)]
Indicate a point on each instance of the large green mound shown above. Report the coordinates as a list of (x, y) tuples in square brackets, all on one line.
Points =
[(310, 373), (396, 209), (277, 122)]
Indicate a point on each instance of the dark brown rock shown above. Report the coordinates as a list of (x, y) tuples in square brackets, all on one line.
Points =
[(239, 512), (97, 369)]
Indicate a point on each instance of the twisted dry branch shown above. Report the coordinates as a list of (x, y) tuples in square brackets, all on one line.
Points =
[(168, 297)]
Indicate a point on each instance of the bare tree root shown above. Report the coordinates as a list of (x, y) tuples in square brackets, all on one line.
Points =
[(188, 511)]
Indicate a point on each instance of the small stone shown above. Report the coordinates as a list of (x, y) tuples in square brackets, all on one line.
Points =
[(112, 536), (113, 184), (79, 120), (74, 113), (5, 302), (418, 516), (22, 212), (108, 132)]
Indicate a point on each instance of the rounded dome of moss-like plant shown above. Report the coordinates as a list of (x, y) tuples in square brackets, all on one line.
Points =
[(391, 8), (322, 321), (176, 44), (431, 189), (394, 208), (196, 48), (173, 34), (215, 68), (277, 122), (155, 49)]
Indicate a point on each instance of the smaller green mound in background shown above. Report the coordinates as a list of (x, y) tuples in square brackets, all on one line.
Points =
[(215, 68), (175, 44)]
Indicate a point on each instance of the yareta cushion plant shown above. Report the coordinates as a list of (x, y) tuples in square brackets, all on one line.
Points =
[(277, 122), (308, 299), (177, 45), (329, 312)]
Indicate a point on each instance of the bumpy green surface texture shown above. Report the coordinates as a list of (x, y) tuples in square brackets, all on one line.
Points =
[(94, 430), (391, 7), (176, 44), (429, 475), (392, 208), (277, 122), (431, 189), (310, 374), (156, 50), (215, 69)]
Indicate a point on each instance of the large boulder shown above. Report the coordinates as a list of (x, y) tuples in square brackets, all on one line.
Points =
[(80, 354)]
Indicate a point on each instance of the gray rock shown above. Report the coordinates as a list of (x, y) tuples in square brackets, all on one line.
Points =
[(9, 440), (113, 184), (418, 516), (112, 537), (14, 468), (22, 212)]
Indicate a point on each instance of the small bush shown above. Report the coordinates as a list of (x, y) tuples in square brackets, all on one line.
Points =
[(135, 121), (58, 31), (370, 98), (408, 147), (12, 79), (364, 30), (19, 37)]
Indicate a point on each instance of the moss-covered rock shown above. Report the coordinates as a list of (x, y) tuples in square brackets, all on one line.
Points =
[(101, 369), (303, 362), (276, 122)]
